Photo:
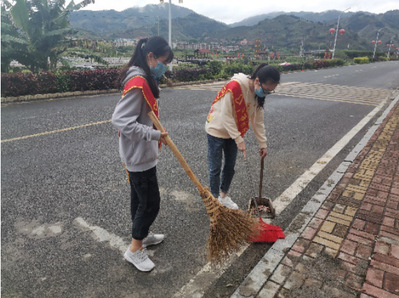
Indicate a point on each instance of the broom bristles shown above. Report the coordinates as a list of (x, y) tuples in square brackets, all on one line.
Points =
[(229, 229)]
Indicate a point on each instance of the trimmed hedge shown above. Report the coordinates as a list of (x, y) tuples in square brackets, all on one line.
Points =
[(356, 53), (361, 60), (316, 64), (189, 74), (236, 67), (19, 83), (16, 84)]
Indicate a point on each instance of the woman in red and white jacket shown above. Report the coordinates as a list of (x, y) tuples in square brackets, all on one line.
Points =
[(239, 104)]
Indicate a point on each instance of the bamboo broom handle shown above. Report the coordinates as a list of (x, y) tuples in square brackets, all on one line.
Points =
[(176, 152)]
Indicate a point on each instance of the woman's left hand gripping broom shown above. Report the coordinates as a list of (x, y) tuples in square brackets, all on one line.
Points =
[(229, 228)]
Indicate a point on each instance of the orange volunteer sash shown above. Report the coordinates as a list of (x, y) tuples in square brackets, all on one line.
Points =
[(241, 114), (141, 83)]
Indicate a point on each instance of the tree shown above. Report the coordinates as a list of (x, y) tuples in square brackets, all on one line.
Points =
[(35, 32)]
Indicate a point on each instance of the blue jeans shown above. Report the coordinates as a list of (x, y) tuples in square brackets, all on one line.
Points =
[(218, 147), (145, 201)]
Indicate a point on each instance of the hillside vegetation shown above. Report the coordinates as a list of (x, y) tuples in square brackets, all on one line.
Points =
[(280, 30)]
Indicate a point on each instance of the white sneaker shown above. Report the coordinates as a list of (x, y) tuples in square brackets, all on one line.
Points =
[(139, 259), (227, 202), (153, 239)]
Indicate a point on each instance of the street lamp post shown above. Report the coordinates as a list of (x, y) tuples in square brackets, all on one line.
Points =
[(336, 32), (170, 26), (376, 41)]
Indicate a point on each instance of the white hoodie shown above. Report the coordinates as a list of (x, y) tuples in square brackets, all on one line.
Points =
[(221, 121)]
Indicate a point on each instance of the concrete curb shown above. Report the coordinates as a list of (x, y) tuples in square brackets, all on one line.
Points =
[(256, 279), (55, 95)]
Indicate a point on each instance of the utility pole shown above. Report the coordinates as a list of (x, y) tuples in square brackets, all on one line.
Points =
[(336, 32), (376, 41), (390, 45), (301, 49)]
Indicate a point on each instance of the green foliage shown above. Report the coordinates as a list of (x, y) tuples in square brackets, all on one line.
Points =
[(233, 67), (63, 81), (16, 84), (189, 74), (28, 83), (382, 58), (361, 60), (353, 54), (336, 62), (215, 67), (37, 31)]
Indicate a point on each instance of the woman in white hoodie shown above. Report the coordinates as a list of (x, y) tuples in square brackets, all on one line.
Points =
[(237, 105), (139, 141)]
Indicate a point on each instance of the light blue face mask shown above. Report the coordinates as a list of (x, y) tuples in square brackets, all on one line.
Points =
[(261, 93), (158, 70)]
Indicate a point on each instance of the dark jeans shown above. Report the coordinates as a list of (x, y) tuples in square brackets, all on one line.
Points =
[(218, 147), (145, 201)]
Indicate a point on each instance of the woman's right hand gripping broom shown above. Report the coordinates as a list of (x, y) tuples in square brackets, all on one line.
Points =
[(164, 134)]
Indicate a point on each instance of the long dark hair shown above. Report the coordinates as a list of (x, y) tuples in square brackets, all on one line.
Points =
[(265, 73), (159, 47)]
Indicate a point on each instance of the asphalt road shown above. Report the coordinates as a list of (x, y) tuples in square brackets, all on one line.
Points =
[(65, 199)]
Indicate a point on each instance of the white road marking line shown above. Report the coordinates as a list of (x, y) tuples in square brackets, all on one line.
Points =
[(102, 235), (199, 284), (290, 193), (54, 131)]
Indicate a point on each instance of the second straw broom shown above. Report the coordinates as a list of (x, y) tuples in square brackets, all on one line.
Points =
[(229, 228)]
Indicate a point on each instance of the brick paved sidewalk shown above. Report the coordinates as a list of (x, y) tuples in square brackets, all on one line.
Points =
[(351, 246), (345, 241)]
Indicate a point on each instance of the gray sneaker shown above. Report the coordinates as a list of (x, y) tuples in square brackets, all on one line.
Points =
[(227, 202), (139, 259), (153, 239)]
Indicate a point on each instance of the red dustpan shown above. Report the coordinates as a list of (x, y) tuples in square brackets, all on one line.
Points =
[(266, 232)]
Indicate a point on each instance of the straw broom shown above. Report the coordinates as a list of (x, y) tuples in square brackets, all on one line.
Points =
[(229, 228)]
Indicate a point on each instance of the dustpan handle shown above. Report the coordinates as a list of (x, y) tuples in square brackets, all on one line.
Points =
[(253, 188), (262, 163), (176, 152)]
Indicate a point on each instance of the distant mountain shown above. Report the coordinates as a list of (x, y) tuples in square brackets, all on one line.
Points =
[(287, 31), (111, 23), (366, 25), (324, 17), (192, 27), (251, 21), (196, 26), (278, 30)]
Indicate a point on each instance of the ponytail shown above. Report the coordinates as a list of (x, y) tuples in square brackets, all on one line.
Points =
[(159, 47)]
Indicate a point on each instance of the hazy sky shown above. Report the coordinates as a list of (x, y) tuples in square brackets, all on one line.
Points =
[(230, 11)]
